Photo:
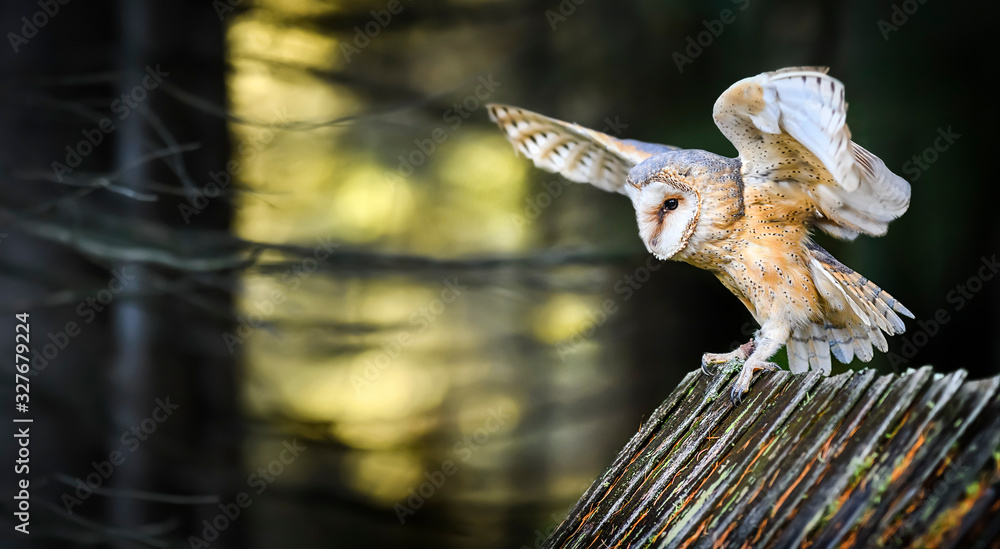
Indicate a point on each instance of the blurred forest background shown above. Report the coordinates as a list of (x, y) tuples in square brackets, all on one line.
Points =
[(298, 233)]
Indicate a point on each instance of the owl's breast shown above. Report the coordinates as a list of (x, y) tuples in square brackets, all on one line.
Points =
[(773, 280)]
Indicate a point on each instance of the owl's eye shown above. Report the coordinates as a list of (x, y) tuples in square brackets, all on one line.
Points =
[(670, 204)]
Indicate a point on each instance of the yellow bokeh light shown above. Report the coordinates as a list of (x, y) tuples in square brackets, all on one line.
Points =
[(260, 97), (481, 163), (496, 413), (296, 7), (384, 476), (259, 38), (372, 401), (563, 317), (481, 189), (366, 208), (330, 354)]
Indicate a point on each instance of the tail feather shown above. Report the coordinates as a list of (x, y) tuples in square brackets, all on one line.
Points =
[(798, 354), (878, 340), (862, 345), (821, 350)]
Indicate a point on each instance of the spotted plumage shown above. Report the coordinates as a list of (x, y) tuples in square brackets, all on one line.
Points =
[(748, 219)]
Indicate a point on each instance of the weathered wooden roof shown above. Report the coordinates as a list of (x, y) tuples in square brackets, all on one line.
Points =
[(856, 459)]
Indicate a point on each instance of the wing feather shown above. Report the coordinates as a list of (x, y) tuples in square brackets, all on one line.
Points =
[(791, 125), (577, 153)]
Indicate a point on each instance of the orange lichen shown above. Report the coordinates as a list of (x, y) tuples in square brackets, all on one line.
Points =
[(908, 459), (949, 521), (636, 523), (850, 541), (760, 452), (679, 471), (584, 521), (693, 537), (721, 542), (760, 530), (826, 448), (899, 425), (844, 496), (890, 531), (781, 500)]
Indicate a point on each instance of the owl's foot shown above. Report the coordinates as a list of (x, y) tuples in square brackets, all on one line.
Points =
[(741, 353), (742, 383)]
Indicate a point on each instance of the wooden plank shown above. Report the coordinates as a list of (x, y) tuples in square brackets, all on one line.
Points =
[(805, 461), (928, 522)]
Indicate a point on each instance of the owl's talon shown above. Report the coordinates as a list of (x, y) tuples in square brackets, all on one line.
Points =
[(742, 383), (768, 366), (739, 387), (736, 395), (741, 354)]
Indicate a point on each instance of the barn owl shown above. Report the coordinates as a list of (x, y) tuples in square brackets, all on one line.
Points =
[(748, 219)]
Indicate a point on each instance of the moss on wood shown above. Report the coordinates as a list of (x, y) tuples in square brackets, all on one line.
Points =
[(853, 459)]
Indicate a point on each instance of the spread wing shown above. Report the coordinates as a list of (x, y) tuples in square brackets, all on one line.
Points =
[(575, 152), (790, 129)]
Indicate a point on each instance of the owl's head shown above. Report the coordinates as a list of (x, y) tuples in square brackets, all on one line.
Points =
[(673, 192), (667, 212)]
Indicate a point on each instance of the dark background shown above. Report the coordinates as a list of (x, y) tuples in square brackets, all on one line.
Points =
[(490, 382)]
